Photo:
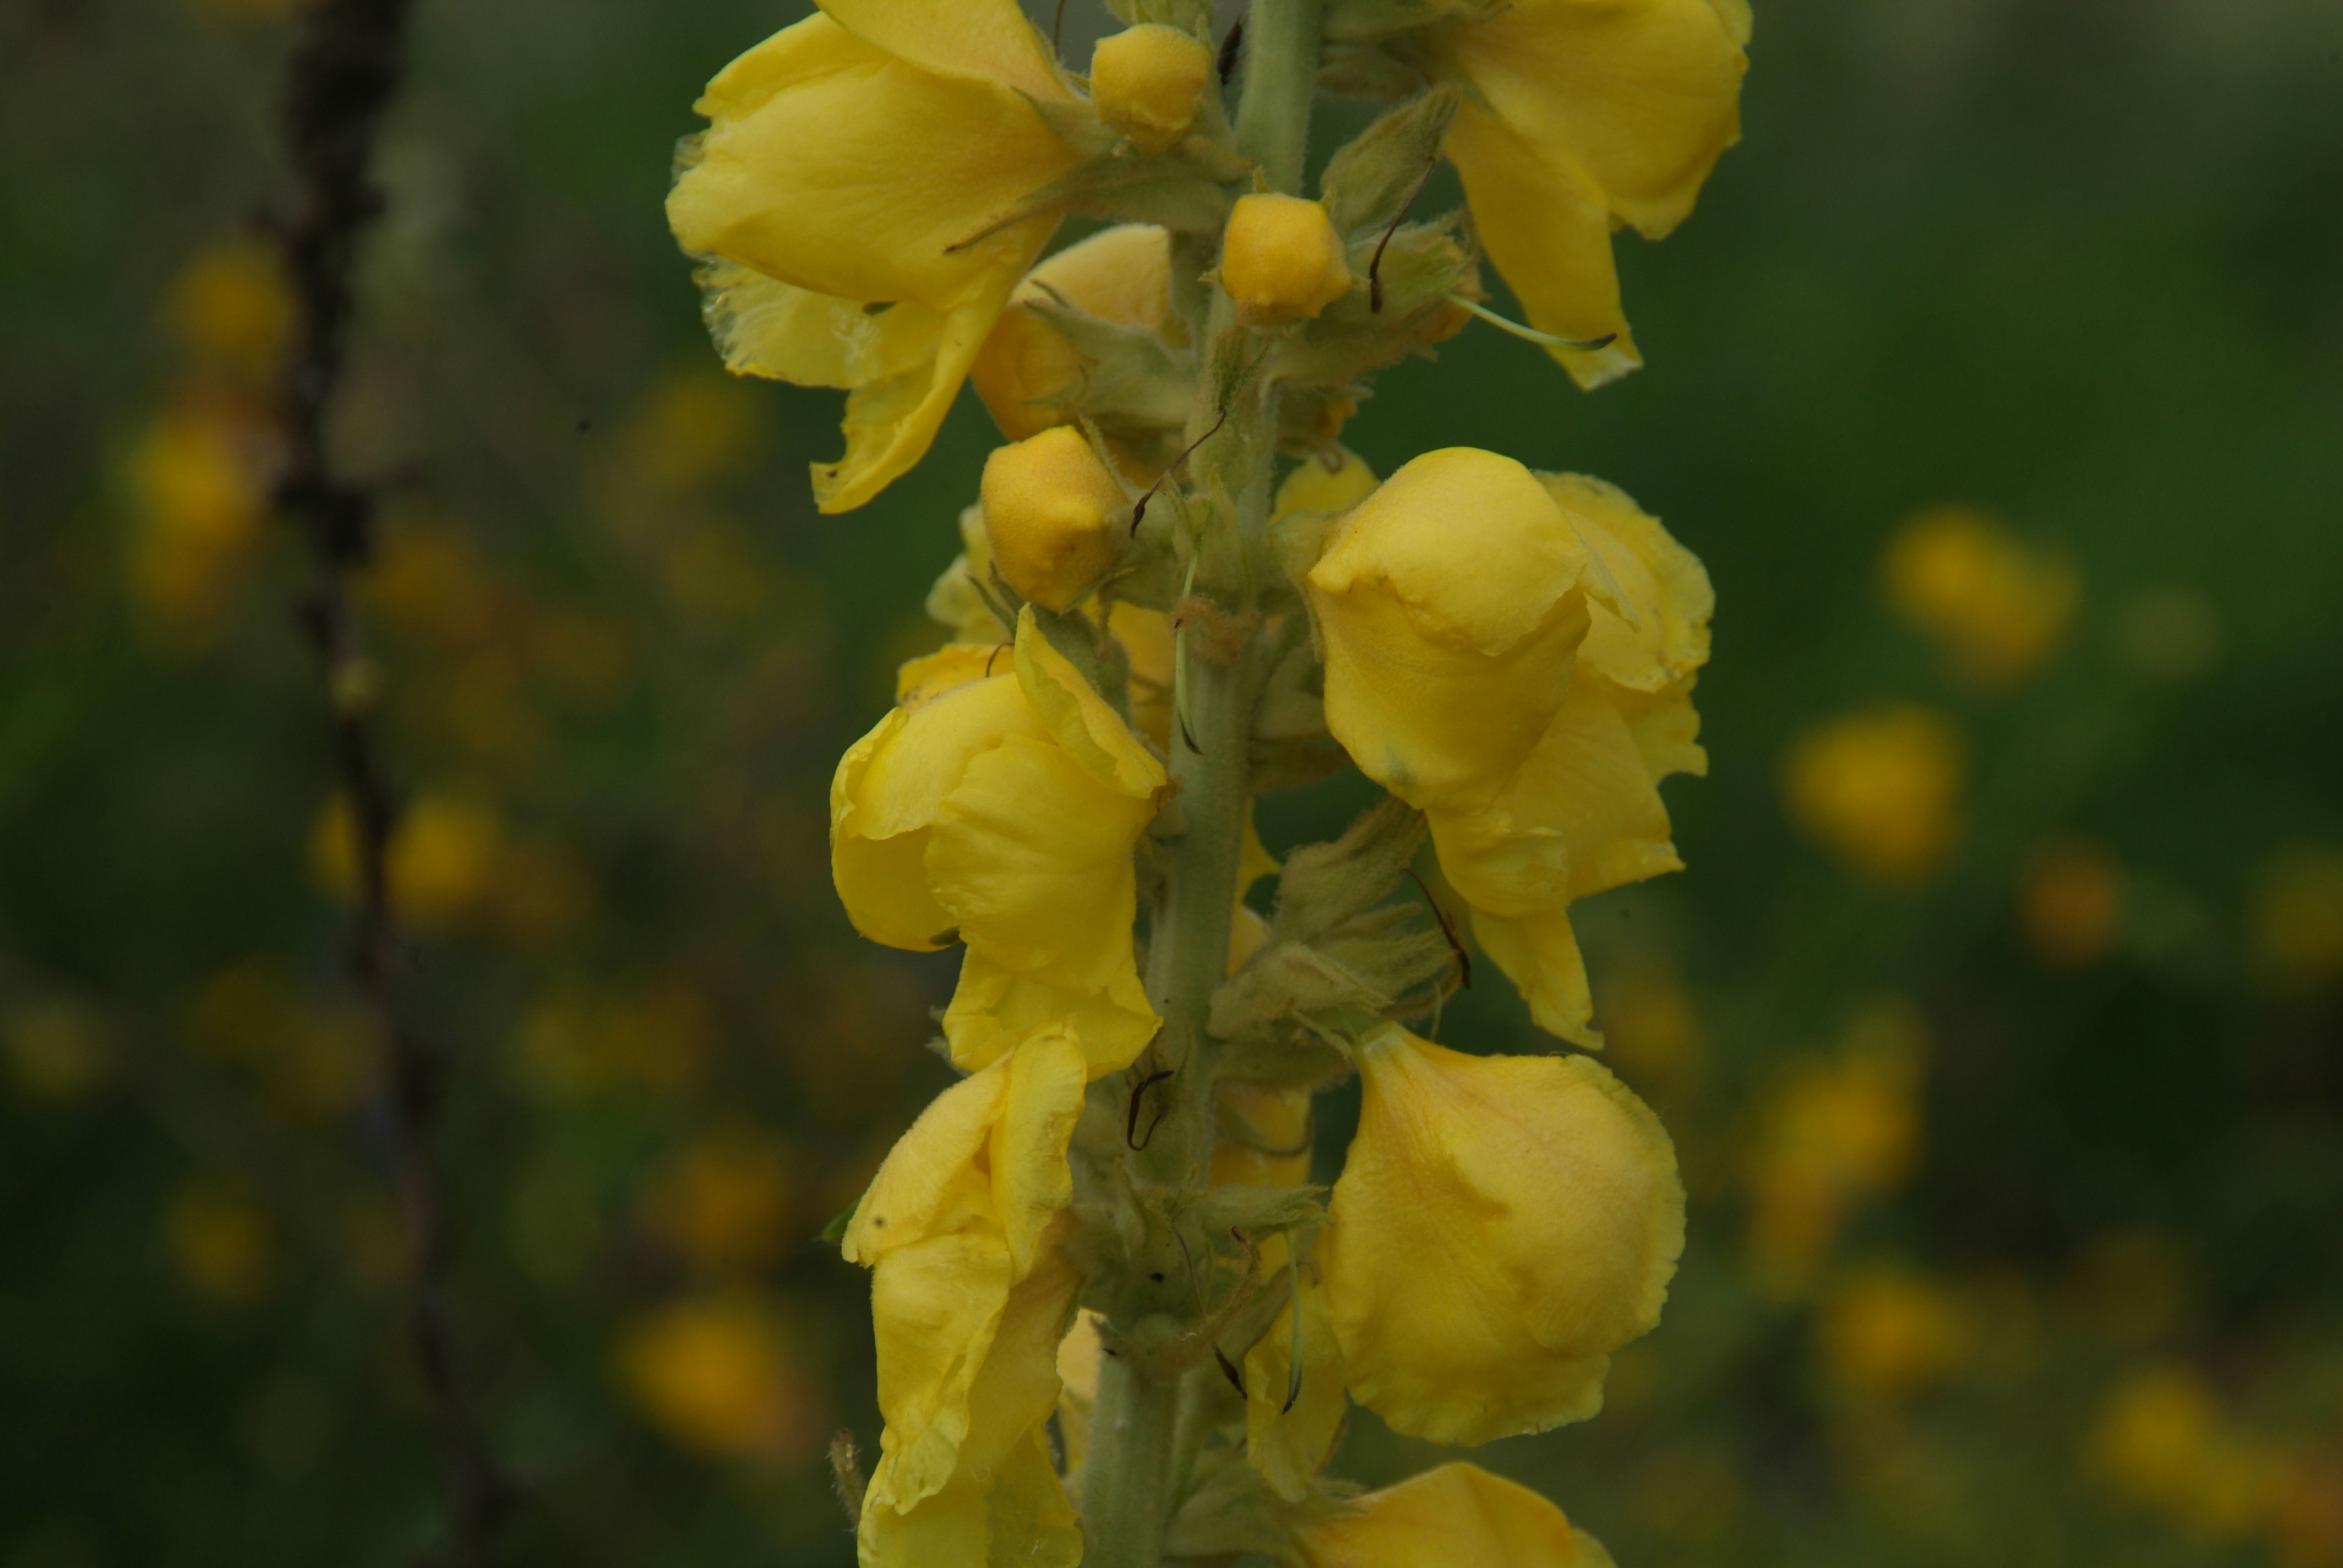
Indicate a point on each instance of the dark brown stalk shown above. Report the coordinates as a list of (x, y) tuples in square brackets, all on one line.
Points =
[(344, 73)]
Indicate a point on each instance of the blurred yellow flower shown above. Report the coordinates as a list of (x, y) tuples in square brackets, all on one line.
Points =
[(2163, 1442), (1578, 120), (1501, 1226), (714, 1374), (315, 1061), (575, 1044), (725, 1203), (441, 862), (851, 162), (1457, 1516), (224, 1243), (1997, 607), (2298, 921), (1832, 1131), (1281, 260), (1652, 1029), (1146, 82), (2130, 1287), (998, 805), (61, 1048), (694, 430), (1880, 790), (229, 306), (200, 495), (1888, 1334), (2071, 902)]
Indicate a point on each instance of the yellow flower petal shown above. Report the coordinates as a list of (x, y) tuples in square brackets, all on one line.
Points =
[(930, 1182), (994, 1010), (1451, 611), (1031, 1181), (1552, 244), (848, 174), (1018, 1519), (1032, 858), (1540, 954), (1458, 1516), (1502, 1225), (1264, 1137), (837, 166), (935, 1308), (1314, 486), (980, 40), (1657, 632), (1633, 102), (1079, 720), (886, 796)]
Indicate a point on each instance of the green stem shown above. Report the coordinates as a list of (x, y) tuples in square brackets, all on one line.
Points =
[(1280, 79), (1135, 1470)]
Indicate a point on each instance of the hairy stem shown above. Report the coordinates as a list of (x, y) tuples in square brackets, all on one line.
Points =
[(1135, 1470)]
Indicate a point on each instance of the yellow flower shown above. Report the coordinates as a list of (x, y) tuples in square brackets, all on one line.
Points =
[(966, 1279), (1051, 514), (1450, 605), (1459, 1516), (198, 477), (1514, 654), (1146, 81), (1501, 1226), (1832, 1131), (442, 860), (713, 1374), (1281, 259), (2071, 902), (1027, 373), (224, 1243), (2162, 1442), (998, 805), (1579, 118), (725, 1204), (1891, 1335), (2298, 916), (1997, 608), (231, 309), (848, 163), (1881, 789)]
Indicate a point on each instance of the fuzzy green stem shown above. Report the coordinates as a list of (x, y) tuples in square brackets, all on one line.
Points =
[(1127, 1480), (1280, 79)]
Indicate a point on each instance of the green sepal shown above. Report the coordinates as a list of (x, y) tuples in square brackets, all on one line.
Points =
[(835, 1231), (1133, 380), (1370, 180), (1323, 884), (1230, 1512)]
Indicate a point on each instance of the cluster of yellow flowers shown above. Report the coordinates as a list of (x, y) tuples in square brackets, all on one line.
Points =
[(1115, 1322)]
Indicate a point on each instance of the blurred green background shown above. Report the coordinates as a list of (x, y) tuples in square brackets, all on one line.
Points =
[(1996, 1019)]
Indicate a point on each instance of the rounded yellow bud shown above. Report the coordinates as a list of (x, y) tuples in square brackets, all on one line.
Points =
[(1050, 510), (1145, 81), (1027, 373), (1539, 1193), (1282, 259)]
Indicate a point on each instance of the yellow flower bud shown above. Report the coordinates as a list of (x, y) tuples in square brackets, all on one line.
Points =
[(1145, 81), (1282, 259), (1458, 1514), (1502, 1223), (1027, 373), (1051, 511)]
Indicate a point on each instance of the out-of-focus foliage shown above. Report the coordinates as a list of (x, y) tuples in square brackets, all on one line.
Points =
[(1999, 1021)]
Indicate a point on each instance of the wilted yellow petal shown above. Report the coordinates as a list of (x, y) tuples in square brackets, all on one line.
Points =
[(1657, 632), (935, 1308), (1457, 1516), (1502, 1224)]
